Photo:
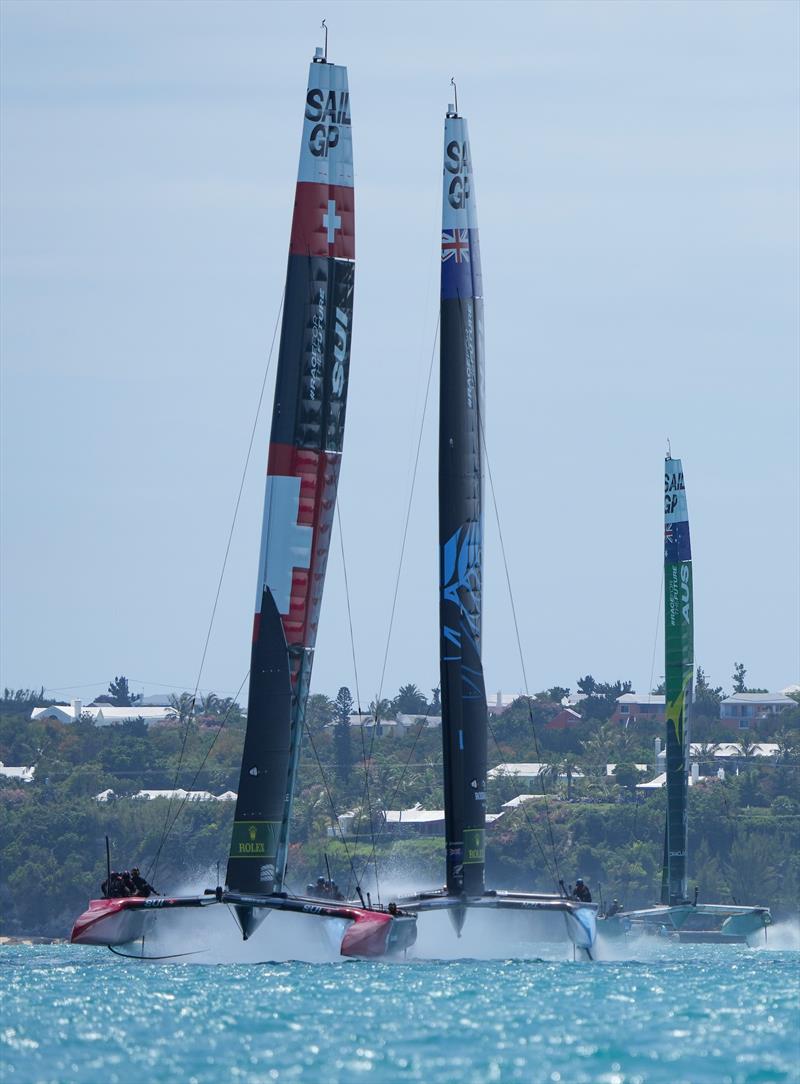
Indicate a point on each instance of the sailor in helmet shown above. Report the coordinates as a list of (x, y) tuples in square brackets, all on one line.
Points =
[(582, 892)]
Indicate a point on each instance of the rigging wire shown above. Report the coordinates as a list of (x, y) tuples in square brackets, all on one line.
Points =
[(655, 637), (376, 840), (332, 804), (365, 794), (368, 760), (169, 825), (530, 824), (408, 509), (519, 647), (193, 699)]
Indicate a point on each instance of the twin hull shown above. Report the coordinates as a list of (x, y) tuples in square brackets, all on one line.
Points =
[(351, 931)]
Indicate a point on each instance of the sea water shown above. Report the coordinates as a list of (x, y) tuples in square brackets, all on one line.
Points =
[(679, 1013)]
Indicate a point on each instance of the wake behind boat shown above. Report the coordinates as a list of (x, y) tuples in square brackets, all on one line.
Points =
[(464, 710), (676, 911), (302, 476)]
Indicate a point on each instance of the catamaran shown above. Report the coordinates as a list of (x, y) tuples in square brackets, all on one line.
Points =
[(728, 921), (463, 695), (303, 465)]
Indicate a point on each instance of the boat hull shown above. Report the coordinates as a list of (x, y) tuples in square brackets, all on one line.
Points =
[(355, 931), (528, 917), (109, 922), (721, 923), (120, 921)]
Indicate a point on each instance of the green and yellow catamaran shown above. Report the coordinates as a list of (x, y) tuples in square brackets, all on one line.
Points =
[(723, 920)]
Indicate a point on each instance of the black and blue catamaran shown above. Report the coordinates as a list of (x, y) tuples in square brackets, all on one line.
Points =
[(463, 694)]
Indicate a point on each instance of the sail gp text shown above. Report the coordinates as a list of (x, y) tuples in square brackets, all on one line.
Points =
[(457, 161), (329, 113)]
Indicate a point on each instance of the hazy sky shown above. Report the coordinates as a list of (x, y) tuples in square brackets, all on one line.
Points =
[(637, 183)]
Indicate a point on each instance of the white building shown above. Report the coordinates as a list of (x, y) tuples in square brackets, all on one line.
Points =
[(747, 708), (104, 714), (22, 775)]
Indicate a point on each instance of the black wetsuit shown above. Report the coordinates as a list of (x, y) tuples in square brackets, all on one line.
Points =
[(141, 887)]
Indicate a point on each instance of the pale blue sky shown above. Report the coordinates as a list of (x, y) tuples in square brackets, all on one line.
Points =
[(637, 181)]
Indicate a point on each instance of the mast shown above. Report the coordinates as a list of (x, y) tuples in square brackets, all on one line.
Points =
[(302, 476), (464, 713), (678, 674)]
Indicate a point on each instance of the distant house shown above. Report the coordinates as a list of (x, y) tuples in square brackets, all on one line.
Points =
[(521, 773), (22, 775), (501, 702), (177, 795), (104, 714), (415, 821), (743, 710), (387, 728), (564, 720), (639, 707)]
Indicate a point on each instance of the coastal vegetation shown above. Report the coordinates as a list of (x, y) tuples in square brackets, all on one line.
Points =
[(582, 821)]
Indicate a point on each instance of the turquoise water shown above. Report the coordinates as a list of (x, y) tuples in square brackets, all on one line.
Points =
[(694, 1014)]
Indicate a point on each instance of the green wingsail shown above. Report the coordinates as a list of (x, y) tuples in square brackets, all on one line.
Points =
[(678, 674)]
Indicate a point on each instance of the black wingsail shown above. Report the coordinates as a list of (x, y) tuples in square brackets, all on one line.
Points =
[(302, 477), (464, 712)]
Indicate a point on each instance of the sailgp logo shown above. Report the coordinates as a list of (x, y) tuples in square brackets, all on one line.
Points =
[(330, 113), (457, 162)]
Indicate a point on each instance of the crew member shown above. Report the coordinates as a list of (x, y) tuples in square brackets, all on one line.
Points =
[(113, 888), (140, 885), (614, 909), (582, 892)]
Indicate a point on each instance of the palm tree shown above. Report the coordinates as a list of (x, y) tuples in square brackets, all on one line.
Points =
[(183, 706), (211, 703), (381, 709)]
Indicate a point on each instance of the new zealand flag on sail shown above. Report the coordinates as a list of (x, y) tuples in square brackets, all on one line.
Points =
[(676, 542), (461, 264)]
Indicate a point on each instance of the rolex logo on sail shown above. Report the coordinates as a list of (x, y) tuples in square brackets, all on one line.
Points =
[(252, 846)]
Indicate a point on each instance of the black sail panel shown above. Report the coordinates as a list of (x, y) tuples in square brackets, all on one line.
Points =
[(265, 759), (464, 712)]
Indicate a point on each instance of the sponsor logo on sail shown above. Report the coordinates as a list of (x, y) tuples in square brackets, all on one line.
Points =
[(340, 336)]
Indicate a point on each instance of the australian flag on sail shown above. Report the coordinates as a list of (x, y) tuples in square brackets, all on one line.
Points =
[(676, 542), (460, 264)]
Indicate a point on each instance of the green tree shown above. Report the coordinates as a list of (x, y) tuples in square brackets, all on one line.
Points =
[(739, 674), (627, 775), (750, 869), (381, 709), (410, 701), (707, 698), (120, 693), (320, 712), (343, 709)]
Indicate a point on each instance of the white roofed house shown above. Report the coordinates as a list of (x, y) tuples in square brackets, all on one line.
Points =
[(640, 707), (415, 821), (104, 714), (741, 711), (20, 774)]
